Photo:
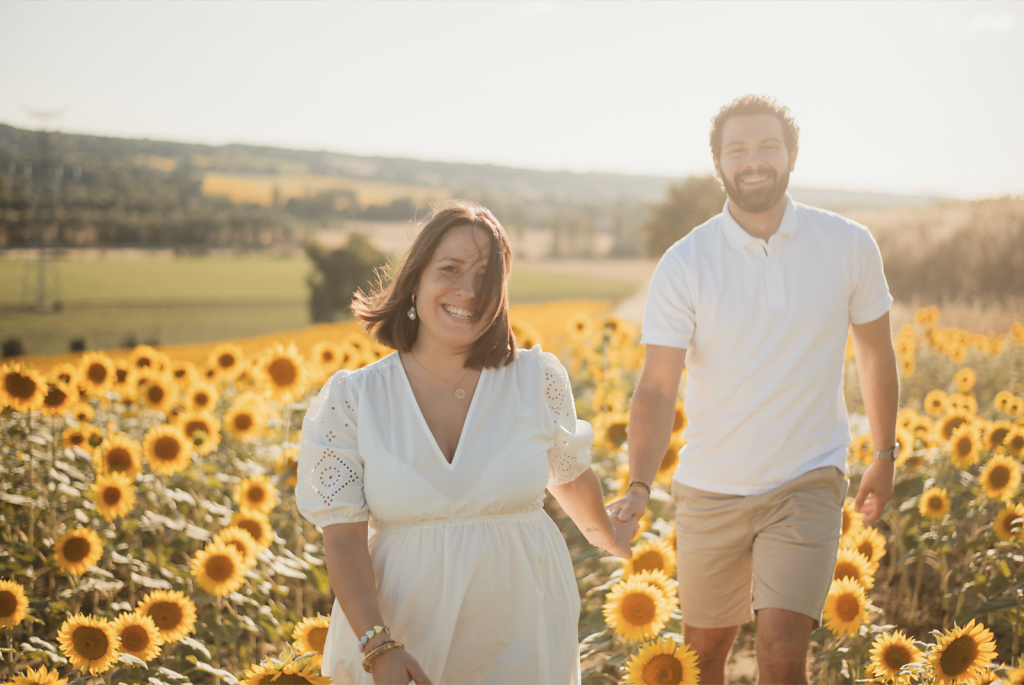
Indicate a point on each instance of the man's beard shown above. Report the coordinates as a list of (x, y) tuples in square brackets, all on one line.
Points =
[(761, 199)]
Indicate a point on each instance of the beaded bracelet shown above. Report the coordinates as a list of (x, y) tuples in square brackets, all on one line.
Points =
[(638, 482), (370, 633), (377, 651)]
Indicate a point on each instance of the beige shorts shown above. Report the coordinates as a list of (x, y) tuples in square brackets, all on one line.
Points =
[(738, 554)]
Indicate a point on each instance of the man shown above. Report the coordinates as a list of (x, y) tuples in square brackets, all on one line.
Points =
[(757, 303)]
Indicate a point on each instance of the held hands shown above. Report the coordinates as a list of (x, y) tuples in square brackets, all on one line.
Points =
[(398, 667), (875, 490), (632, 505), (624, 531)]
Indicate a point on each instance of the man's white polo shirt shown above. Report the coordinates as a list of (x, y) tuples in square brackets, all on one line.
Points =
[(765, 325)]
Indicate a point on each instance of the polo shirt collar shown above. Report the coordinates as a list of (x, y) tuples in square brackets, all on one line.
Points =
[(738, 238)]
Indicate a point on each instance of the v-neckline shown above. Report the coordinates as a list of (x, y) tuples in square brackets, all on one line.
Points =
[(423, 420)]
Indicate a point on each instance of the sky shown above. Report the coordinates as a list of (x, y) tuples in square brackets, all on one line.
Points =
[(909, 98)]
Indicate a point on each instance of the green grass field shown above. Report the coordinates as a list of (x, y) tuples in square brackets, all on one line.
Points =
[(189, 300)]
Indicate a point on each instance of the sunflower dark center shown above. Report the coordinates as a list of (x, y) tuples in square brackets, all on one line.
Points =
[(290, 679), (239, 546), (997, 436), (220, 567), (936, 503), (282, 372), (167, 448), (226, 360), (866, 549), (847, 520), (317, 638), (243, 422), (76, 439), (649, 561), (112, 495), (121, 375), (638, 609), (77, 549), (95, 440), (55, 397), (678, 420), (19, 386), (155, 394), (90, 642), (327, 356), (257, 494), (895, 656), (193, 427), (999, 477), (8, 603), (617, 433), (958, 655), (847, 607), (964, 446), (118, 459), (134, 638), (253, 528), (846, 570), (201, 399), (1017, 444), (670, 458), (97, 373), (166, 615), (663, 669)]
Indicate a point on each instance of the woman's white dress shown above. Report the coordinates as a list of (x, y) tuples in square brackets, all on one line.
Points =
[(472, 574)]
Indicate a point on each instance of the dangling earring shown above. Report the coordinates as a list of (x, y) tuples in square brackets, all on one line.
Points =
[(412, 310)]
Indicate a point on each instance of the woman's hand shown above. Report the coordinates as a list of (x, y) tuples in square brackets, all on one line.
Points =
[(624, 531), (398, 667)]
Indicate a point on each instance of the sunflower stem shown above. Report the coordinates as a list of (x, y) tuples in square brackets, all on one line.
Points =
[(917, 583)]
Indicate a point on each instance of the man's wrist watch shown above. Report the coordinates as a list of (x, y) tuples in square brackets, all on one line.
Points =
[(889, 454)]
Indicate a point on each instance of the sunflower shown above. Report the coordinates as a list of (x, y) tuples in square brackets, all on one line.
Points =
[(965, 379), (618, 331), (1014, 441), (961, 654), (845, 607), (670, 537), (949, 423), (77, 551), (908, 364), (255, 524), (203, 428), (905, 438), (349, 356), (667, 585), (240, 539), (890, 652), (610, 429), (144, 357), (679, 420), (995, 434), (871, 544), (159, 392), (245, 420), (1015, 677), (934, 503), (118, 454), (663, 662), (310, 635), (287, 464), (936, 403), (1009, 523), (85, 437), (219, 568), (167, 449), (256, 493), (1015, 406), (89, 643), (97, 373), (636, 610), (269, 672), (66, 373), (1000, 477), (852, 524), (852, 564), (184, 373), (651, 555), (327, 358), (82, 412), (580, 326), (59, 399), (281, 371), (927, 316), (114, 495), (138, 635), (38, 677), (669, 463), (226, 360), (13, 604), (126, 381), (1002, 399), (201, 396), (965, 446), (526, 335), (21, 388), (963, 403), (862, 449), (173, 613)]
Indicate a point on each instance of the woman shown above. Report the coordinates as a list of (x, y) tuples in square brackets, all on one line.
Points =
[(427, 469)]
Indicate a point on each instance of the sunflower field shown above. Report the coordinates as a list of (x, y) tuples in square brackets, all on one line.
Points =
[(149, 534)]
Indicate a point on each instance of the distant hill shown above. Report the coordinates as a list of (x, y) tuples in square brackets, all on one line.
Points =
[(462, 179)]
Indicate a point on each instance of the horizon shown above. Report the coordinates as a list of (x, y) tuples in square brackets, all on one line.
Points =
[(603, 88)]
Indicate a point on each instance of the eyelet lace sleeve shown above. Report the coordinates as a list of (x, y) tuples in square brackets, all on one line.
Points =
[(330, 475), (569, 455)]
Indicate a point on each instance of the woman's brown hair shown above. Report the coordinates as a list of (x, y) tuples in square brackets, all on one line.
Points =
[(383, 312)]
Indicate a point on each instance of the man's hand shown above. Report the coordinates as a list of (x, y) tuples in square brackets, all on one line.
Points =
[(632, 505), (875, 490)]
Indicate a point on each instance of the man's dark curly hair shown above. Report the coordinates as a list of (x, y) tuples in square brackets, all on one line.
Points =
[(749, 105)]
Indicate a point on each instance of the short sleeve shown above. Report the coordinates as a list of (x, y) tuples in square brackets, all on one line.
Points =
[(869, 296), (569, 455), (329, 488), (669, 312)]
